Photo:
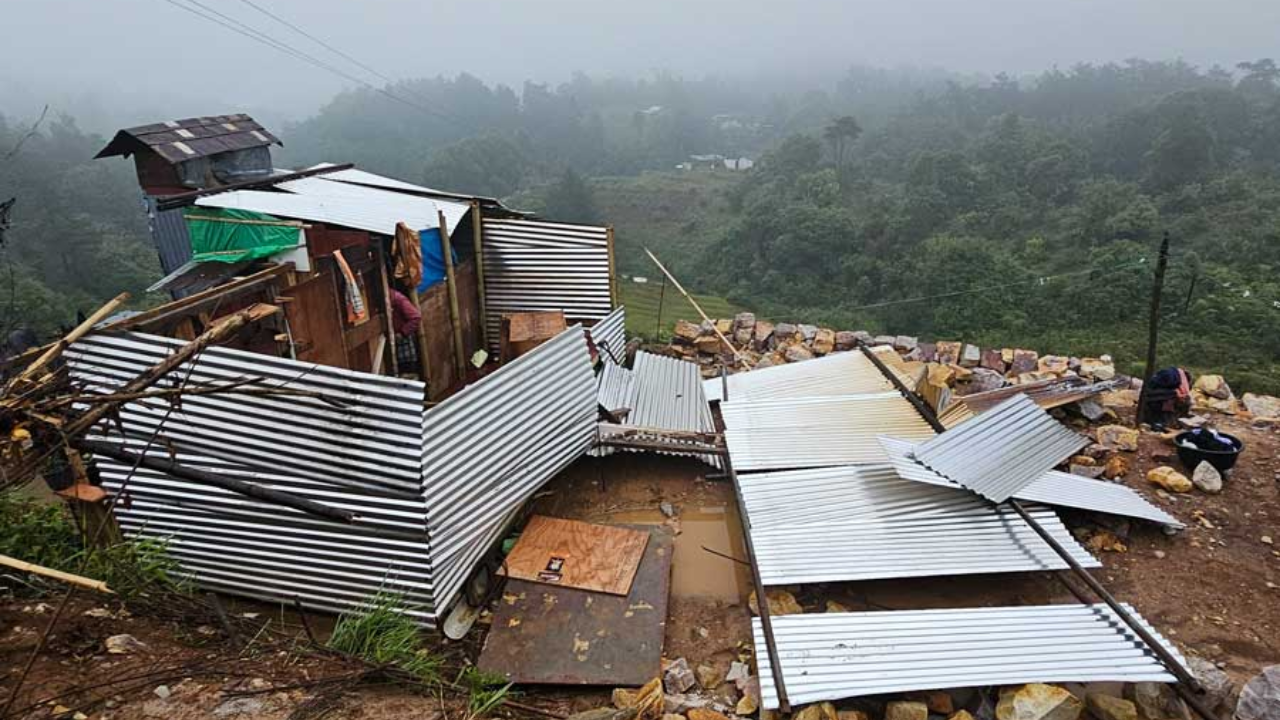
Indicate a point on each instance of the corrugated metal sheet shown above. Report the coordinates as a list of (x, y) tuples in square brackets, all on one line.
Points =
[(538, 266), (610, 334), (1052, 488), (487, 449), (832, 656), (817, 432), (169, 233), (1001, 451), (668, 396), (201, 137), (342, 204), (865, 523), (616, 388), (843, 373), (362, 453)]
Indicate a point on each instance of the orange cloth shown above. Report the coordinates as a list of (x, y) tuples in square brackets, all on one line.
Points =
[(407, 251)]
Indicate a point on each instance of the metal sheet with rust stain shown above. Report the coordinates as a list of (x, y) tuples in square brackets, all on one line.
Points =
[(543, 634)]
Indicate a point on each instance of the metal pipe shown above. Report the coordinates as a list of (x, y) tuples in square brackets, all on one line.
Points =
[(762, 600), (182, 472), (1188, 685)]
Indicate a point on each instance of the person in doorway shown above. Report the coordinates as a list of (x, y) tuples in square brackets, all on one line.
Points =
[(1167, 397), (405, 316)]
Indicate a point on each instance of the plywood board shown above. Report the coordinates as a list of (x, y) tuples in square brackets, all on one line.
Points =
[(568, 553), (547, 635)]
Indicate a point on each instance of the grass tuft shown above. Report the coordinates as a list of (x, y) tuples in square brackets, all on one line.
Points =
[(380, 632)]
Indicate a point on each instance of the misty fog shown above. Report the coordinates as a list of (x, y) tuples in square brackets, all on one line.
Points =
[(117, 62)]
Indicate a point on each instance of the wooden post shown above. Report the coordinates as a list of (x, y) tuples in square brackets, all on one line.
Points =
[(737, 355), (613, 277), (455, 315), (477, 237), (424, 365), (56, 349), (381, 257), (1153, 325)]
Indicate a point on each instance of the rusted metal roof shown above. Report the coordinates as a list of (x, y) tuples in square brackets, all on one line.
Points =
[(181, 140)]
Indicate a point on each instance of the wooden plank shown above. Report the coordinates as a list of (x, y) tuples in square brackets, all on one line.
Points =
[(568, 553), (314, 321), (547, 635)]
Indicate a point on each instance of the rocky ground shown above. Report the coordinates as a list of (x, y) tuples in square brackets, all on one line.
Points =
[(1214, 589)]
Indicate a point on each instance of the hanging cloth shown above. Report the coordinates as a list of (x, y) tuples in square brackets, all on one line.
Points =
[(406, 248), (357, 309), (231, 236)]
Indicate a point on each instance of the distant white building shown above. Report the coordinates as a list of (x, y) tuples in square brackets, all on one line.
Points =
[(741, 163)]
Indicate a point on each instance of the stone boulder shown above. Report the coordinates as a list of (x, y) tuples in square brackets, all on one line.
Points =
[(1117, 437), (993, 360), (797, 353), (1110, 707), (1218, 687), (1169, 479), (1036, 701), (709, 345), (1260, 698), (1207, 479), (1024, 361), (744, 321), (678, 678), (905, 344), (1262, 406), (906, 710), (970, 356), (982, 380), (763, 331), (1115, 467), (1099, 369), (948, 353), (817, 711), (686, 330), (846, 340), (1055, 364), (808, 332), (781, 602), (783, 332), (705, 714), (1211, 392), (928, 352), (824, 341), (883, 340), (1156, 701)]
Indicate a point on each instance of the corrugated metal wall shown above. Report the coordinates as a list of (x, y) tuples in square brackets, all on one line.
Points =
[(360, 451), (432, 489), (610, 336), (169, 233), (488, 448), (531, 266)]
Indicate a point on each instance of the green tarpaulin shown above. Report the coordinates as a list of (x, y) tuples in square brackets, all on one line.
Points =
[(229, 236)]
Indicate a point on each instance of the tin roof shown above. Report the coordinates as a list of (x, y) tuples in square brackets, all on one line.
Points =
[(181, 140), (844, 373), (831, 656), (1001, 451)]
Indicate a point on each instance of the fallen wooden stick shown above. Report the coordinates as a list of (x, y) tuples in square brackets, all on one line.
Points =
[(77, 580), (54, 350), (737, 355)]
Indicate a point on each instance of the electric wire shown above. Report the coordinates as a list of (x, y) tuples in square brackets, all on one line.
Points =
[(237, 26)]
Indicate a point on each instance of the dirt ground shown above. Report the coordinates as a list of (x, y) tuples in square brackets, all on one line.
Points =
[(1213, 588)]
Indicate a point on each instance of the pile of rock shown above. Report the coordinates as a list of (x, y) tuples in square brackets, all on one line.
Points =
[(969, 367)]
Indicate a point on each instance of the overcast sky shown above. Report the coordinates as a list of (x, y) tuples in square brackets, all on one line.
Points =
[(138, 60)]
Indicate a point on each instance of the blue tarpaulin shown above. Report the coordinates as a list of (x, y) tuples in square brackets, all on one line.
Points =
[(432, 258)]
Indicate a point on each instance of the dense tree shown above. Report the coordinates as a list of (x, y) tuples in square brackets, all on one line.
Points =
[(570, 200)]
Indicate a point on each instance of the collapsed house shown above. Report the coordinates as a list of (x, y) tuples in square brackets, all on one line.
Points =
[(842, 473)]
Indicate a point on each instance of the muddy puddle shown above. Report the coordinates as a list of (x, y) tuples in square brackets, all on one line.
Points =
[(696, 572)]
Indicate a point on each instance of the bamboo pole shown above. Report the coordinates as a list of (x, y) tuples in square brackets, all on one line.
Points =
[(76, 333), (477, 238), (424, 364), (613, 273), (455, 315), (737, 355), (381, 257), (221, 330), (77, 580)]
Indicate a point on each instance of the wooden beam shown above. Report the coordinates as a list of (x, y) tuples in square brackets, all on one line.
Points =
[(199, 301), (613, 271), (737, 355), (477, 238), (172, 202), (66, 577), (381, 257), (455, 315), (54, 350)]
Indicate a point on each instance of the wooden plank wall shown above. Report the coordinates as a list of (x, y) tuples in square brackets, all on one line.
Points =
[(434, 304)]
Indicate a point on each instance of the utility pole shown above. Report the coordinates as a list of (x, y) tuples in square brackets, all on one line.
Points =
[(1153, 324)]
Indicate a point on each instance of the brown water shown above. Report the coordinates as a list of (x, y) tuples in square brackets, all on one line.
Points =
[(696, 573)]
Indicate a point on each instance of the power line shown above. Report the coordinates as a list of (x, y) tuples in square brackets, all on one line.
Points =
[(316, 40), (1041, 280), (248, 31)]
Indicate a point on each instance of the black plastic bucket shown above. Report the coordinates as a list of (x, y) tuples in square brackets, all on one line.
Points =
[(1223, 460)]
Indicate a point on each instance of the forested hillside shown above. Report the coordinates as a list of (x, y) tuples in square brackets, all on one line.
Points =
[(1001, 212), (1051, 194)]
